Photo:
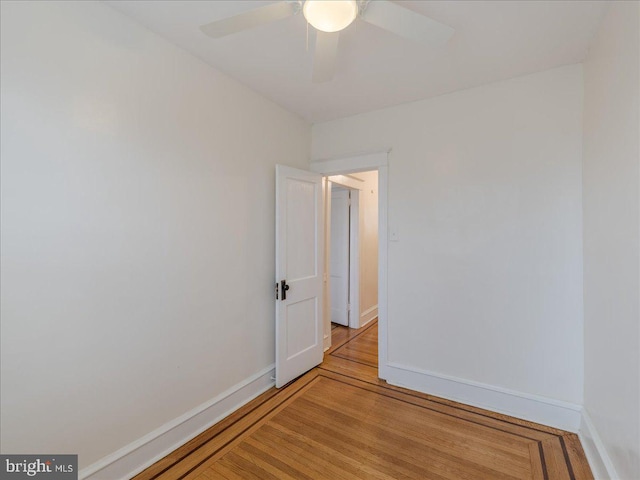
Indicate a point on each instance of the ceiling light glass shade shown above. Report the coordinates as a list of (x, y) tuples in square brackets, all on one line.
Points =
[(330, 15)]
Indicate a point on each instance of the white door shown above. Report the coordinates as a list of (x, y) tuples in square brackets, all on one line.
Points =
[(339, 258), (299, 250)]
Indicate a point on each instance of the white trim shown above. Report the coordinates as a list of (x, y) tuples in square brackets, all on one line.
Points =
[(140, 454), (383, 269), (535, 408), (327, 341), (354, 163), (354, 258), (368, 315), (327, 187), (599, 460), (361, 163)]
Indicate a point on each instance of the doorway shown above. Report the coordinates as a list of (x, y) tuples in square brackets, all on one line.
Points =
[(301, 223), (349, 165), (351, 239), (352, 248)]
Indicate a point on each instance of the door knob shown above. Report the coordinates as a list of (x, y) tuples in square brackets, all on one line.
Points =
[(283, 288)]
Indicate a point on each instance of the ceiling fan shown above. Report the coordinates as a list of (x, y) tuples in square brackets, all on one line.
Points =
[(329, 17)]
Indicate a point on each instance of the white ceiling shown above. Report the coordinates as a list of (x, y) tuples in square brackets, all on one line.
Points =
[(494, 40)]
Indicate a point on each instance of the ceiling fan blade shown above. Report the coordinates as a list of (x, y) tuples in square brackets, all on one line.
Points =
[(406, 23), (252, 18), (324, 60)]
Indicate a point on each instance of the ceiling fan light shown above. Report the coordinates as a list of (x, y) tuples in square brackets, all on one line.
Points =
[(330, 15)]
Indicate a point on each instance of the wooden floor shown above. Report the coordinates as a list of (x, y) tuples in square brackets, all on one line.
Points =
[(340, 422)]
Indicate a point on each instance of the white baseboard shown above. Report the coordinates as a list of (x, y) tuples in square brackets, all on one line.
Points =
[(140, 454), (368, 315), (547, 411), (599, 460)]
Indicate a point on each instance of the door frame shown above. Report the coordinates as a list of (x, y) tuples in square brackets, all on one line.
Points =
[(361, 163)]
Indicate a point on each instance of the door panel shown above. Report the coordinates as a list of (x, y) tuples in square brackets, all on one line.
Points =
[(299, 249), (301, 230), (300, 338), (339, 258)]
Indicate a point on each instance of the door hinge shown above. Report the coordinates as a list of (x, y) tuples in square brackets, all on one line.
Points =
[(348, 307), (277, 290)]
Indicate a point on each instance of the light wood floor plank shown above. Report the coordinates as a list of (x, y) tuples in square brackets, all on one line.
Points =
[(333, 451), (319, 462), (555, 461), (380, 461), (364, 351), (420, 457), (289, 451), (509, 455), (577, 457), (278, 455), (537, 470)]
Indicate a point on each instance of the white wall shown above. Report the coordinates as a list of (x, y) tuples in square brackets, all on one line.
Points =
[(485, 282), (611, 240), (368, 246), (137, 229)]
